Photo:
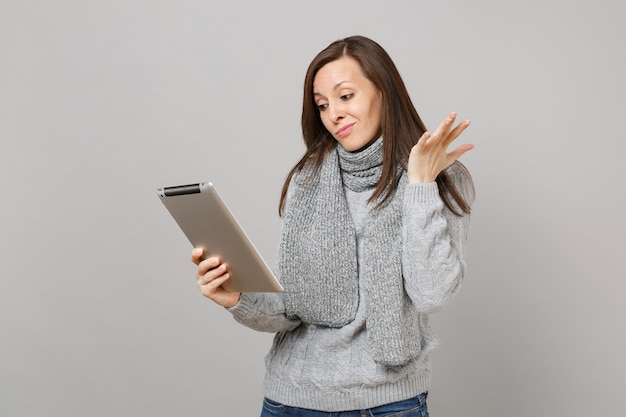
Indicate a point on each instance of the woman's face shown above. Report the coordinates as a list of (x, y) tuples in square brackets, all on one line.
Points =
[(349, 104)]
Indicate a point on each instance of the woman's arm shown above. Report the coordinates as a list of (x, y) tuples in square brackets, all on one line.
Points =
[(434, 242), (434, 237)]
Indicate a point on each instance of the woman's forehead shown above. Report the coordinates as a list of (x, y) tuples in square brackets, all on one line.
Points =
[(337, 73)]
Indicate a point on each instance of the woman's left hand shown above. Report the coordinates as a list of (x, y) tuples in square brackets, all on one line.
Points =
[(430, 155)]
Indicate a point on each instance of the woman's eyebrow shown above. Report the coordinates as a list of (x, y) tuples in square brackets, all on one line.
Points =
[(336, 86)]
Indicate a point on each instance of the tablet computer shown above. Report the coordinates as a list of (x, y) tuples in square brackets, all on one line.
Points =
[(209, 224)]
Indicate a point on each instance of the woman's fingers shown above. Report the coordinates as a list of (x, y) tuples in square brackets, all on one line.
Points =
[(209, 269), (443, 129), (456, 132), (211, 287), (213, 278), (445, 133), (196, 255), (459, 151), (211, 274)]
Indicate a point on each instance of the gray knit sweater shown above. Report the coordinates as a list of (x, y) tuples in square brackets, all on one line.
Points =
[(331, 369)]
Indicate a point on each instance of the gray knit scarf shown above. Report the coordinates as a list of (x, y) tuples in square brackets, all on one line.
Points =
[(318, 262)]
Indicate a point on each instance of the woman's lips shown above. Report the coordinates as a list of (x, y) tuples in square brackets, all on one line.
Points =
[(345, 131)]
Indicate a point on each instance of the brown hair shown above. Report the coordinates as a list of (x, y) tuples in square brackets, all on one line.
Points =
[(401, 126)]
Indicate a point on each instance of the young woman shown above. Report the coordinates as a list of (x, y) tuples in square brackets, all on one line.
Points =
[(375, 218)]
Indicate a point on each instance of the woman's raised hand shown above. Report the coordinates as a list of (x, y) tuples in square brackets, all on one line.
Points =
[(430, 155), (211, 274)]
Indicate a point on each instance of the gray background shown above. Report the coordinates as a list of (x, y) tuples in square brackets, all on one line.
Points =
[(101, 102)]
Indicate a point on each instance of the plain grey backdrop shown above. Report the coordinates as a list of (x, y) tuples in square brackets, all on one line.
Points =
[(101, 102)]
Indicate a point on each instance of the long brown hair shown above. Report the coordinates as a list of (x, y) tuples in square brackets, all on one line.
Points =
[(401, 126)]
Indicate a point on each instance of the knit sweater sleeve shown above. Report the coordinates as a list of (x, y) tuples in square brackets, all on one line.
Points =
[(434, 239), (264, 312)]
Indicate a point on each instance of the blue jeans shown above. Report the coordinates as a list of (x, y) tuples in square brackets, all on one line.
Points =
[(413, 407)]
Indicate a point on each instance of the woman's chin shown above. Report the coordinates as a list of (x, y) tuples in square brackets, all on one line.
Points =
[(355, 145)]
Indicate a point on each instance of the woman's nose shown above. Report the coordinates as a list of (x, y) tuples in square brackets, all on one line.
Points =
[(336, 113)]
